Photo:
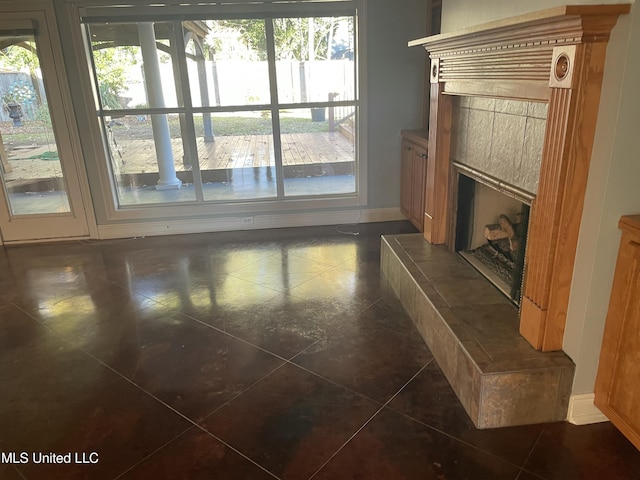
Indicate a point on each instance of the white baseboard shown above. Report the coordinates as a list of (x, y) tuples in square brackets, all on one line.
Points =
[(582, 410), (249, 222)]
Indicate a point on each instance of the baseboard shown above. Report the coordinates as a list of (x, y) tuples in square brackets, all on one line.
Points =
[(582, 410), (249, 222)]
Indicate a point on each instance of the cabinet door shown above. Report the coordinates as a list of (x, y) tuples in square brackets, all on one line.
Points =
[(406, 172), (617, 389), (417, 187)]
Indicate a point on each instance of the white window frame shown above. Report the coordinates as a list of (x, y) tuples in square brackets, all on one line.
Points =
[(91, 11)]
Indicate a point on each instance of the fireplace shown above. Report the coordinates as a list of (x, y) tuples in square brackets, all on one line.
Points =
[(552, 60), (513, 109), (491, 233), (512, 113), (496, 156)]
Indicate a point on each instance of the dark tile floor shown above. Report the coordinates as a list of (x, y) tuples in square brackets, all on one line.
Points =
[(247, 355)]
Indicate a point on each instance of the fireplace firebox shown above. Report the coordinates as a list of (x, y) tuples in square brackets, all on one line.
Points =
[(491, 233)]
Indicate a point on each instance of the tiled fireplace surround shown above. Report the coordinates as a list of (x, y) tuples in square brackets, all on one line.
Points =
[(492, 87)]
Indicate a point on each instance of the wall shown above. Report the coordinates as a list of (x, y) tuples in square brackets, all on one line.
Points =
[(612, 189), (395, 76)]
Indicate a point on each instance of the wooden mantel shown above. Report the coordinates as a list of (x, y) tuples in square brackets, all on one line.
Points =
[(554, 56)]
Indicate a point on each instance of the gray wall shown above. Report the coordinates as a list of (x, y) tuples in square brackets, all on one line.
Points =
[(395, 76), (612, 189)]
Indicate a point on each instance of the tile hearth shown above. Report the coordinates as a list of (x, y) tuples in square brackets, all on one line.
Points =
[(472, 332)]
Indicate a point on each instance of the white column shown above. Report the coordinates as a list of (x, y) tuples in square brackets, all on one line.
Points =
[(159, 122)]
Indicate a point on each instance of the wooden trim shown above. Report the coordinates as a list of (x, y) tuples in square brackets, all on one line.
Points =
[(589, 64), (438, 165), (521, 90), (543, 219), (554, 25), (616, 381), (533, 328), (421, 137), (555, 55)]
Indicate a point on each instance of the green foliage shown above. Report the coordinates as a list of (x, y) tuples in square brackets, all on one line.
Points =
[(224, 35), (291, 36), (42, 114), (224, 126), (111, 67), (129, 128), (19, 56)]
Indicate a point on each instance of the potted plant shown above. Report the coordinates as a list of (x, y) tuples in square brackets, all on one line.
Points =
[(13, 99)]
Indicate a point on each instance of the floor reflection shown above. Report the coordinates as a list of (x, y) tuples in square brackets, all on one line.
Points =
[(262, 354)]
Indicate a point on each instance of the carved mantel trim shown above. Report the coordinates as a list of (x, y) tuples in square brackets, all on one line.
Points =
[(517, 51), (555, 56)]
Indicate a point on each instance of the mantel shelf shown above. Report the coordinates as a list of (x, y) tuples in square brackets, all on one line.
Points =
[(566, 23), (513, 57)]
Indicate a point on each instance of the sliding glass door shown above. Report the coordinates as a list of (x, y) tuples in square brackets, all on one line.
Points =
[(40, 196), (227, 110)]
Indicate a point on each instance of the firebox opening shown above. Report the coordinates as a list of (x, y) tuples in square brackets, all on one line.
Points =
[(491, 234)]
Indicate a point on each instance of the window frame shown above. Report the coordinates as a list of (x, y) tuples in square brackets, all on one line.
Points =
[(94, 12)]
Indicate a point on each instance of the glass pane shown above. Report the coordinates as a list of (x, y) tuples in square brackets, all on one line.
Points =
[(236, 155), (318, 150), (133, 64), (314, 59), (228, 65), (147, 165), (30, 166)]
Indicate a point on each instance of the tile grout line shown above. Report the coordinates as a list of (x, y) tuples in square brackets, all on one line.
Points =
[(19, 472), (382, 407), (164, 404), (454, 438), (284, 362), (64, 337), (184, 433), (192, 422), (128, 469), (522, 467)]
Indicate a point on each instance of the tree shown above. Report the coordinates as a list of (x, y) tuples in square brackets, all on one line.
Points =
[(23, 55), (298, 39)]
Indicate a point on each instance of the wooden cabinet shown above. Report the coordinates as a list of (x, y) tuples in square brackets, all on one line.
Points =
[(413, 176), (617, 385)]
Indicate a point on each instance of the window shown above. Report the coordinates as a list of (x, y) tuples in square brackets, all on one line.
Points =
[(254, 104)]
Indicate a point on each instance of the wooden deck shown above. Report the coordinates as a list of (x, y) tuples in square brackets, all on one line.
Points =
[(243, 151), (226, 152)]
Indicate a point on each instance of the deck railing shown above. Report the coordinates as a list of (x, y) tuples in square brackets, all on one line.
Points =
[(338, 114)]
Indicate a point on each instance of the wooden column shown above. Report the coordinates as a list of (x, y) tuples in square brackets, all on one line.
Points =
[(436, 200), (575, 82)]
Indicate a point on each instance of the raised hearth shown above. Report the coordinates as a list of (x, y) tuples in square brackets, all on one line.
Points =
[(472, 331)]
